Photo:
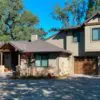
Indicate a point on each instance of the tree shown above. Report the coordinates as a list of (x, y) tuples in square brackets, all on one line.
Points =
[(93, 6), (75, 11), (61, 15), (40, 32), (16, 23), (71, 13)]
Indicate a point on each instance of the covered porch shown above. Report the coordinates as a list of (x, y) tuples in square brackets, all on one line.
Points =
[(9, 57), (34, 58)]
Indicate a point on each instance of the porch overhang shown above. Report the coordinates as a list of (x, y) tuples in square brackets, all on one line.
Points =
[(8, 47)]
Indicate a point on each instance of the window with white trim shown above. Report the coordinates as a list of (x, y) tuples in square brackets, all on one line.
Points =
[(96, 34)]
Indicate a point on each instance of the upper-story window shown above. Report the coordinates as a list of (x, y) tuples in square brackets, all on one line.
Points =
[(76, 37), (96, 34)]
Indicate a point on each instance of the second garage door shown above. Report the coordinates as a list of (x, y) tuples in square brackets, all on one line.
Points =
[(85, 65)]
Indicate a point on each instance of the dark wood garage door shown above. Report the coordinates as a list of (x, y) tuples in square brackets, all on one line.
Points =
[(85, 65)]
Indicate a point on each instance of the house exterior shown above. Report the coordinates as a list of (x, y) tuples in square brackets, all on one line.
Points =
[(84, 43), (74, 50), (37, 56)]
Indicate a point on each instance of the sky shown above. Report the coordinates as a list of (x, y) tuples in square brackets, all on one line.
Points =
[(43, 9)]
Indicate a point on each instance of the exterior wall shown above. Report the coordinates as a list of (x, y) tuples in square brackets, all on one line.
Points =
[(91, 46), (85, 47), (65, 66), (71, 46), (58, 65), (96, 19), (2, 68), (58, 40), (34, 37), (77, 48), (53, 60), (71, 64), (74, 48), (62, 64)]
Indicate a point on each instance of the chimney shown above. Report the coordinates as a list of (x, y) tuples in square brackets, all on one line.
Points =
[(34, 37)]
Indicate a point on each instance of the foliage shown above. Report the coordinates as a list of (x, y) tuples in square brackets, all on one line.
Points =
[(93, 6), (40, 32), (61, 14), (71, 13), (5, 37), (74, 11), (16, 22)]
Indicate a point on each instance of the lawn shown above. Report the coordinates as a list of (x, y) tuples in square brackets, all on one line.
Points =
[(77, 88)]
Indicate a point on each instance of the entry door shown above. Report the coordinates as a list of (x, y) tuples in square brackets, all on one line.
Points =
[(14, 59), (7, 60)]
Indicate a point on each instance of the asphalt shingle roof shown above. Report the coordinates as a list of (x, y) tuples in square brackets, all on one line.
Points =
[(36, 46)]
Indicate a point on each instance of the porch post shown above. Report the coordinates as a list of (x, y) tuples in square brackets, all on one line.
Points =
[(98, 65), (1, 55), (19, 58)]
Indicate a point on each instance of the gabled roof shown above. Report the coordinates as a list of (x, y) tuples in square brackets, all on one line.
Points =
[(36, 46), (97, 13), (20, 45)]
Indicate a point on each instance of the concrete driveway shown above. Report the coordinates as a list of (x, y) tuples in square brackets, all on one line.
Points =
[(76, 88)]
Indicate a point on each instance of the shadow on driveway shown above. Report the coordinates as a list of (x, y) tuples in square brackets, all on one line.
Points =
[(68, 89)]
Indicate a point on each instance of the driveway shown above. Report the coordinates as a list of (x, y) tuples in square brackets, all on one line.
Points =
[(77, 88)]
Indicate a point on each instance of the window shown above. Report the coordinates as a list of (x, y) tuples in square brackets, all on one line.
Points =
[(96, 34), (76, 37), (41, 60), (38, 60)]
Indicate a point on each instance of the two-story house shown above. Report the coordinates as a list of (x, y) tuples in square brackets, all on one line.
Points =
[(83, 42), (74, 50)]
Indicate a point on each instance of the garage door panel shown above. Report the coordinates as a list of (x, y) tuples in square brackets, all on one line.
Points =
[(86, 66)]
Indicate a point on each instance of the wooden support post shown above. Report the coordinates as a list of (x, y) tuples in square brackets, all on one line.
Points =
[(98, 66), (19, 58), (1, 55), (58, 66)]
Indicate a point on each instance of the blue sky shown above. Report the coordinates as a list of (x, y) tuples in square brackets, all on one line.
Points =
[(43, 9)]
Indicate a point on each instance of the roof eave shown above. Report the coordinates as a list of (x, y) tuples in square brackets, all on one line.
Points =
[(66, 52), (73, 28), (91, 17)]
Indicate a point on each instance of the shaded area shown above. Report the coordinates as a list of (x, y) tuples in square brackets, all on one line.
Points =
[(68, 89)]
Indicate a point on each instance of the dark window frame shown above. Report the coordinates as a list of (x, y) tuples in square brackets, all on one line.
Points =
[(42, 55), (94, 33)]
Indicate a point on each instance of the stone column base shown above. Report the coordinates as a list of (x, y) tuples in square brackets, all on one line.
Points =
[(2, 68)]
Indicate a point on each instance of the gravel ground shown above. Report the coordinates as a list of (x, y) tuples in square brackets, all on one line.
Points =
[(76, 88)]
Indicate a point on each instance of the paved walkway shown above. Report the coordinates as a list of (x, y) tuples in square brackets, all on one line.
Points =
[(77, 88)]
